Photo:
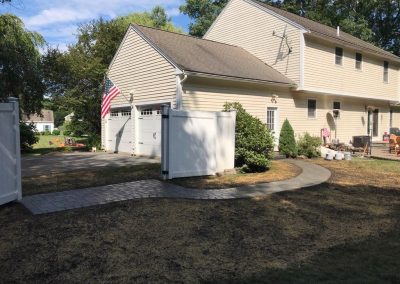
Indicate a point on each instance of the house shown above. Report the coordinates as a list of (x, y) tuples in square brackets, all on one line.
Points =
[(43, 122), (164, 68), (276, 64), (332, 69)]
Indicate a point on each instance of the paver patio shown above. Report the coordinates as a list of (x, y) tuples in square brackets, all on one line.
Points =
[(58, 201), (64, 162)]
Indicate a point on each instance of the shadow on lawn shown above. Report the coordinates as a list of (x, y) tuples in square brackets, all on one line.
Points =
[(372, 260), (328, 233)]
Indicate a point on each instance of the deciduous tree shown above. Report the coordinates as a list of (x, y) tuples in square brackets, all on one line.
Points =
[(20, 63)]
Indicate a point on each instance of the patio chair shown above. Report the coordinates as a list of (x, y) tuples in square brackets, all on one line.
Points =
[(392, 143)]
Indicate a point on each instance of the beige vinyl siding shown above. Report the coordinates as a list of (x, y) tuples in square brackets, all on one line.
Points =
[(209, 95), (242, 24), (138, 67), (321, 72), (396, 117)]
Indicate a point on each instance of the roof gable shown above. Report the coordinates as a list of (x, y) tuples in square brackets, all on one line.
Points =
[(209, 57), (327, 33)]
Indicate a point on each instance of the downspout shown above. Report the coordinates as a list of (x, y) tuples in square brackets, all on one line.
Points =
[(179, 87)]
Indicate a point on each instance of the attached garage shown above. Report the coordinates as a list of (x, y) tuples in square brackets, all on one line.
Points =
[(120, 131), (149, 131), (154, 67)]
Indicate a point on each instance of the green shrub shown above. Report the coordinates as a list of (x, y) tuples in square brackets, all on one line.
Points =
[(255, 162), (308, 145), (28, 136), (254, 143), (56, 132), (66, 132), (46, 132), (94, 140), (287, 142)]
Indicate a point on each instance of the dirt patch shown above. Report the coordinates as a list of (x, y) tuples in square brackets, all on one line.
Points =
[(280, 170)]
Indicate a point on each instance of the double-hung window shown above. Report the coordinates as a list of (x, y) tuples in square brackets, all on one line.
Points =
[(312, 108), (359, 59), (385, 71), (339, 56)]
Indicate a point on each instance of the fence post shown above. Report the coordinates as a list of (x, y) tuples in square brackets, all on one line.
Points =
[(14, 101), (164, 141)]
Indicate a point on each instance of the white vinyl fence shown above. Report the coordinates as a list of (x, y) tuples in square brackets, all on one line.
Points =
[(196, 143), (10, 155)]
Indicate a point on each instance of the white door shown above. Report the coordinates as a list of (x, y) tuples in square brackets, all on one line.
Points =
[(120, 134), (273, 123), (149, 131)]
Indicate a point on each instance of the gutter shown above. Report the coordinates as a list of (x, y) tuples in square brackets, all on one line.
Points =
[(179, 86), (240, 79)]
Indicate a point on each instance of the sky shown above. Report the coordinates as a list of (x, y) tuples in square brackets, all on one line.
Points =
[(57, 20)]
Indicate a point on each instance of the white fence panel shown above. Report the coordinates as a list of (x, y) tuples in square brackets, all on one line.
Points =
[(197, 143), (10, 157)]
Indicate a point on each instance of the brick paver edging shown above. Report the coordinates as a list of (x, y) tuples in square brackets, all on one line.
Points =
[(311, 175)]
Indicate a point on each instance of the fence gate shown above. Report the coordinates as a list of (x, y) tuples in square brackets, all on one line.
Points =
[(196, 143), (10, 155)]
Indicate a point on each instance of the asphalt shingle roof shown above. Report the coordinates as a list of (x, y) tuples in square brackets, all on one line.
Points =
[(326, 32), (209, 57), (47, 116)]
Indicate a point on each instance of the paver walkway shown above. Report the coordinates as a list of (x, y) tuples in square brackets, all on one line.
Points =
[(58, 201)]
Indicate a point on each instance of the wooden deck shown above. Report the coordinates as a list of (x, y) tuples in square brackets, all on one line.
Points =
[(381, 151)]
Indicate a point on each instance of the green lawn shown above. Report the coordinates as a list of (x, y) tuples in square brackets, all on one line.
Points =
[(52, 143), (345, 231)]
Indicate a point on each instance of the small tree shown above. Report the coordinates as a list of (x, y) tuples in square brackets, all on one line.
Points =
[(287, 142), (254, 142)]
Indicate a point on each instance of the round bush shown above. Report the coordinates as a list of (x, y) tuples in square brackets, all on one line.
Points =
[(308, 146)]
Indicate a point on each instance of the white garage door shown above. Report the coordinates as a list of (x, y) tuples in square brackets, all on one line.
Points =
[(120, 134), (149, 131)]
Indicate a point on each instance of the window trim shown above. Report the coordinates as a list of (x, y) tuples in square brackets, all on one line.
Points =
[(386, 72), (308, 108), (337, 56), (361, 61)]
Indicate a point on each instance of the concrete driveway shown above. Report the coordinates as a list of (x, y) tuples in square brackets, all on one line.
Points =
[(63, 162)]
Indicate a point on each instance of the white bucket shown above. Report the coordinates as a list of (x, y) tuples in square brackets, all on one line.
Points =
[(329, 156), (339, 156), (347, 156)]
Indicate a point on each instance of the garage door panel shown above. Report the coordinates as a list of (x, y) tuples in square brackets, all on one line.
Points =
[(149, 132), (120, 132)]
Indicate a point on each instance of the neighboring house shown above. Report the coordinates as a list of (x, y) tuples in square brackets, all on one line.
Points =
[(69, 117), (43, 122), (276, 64)]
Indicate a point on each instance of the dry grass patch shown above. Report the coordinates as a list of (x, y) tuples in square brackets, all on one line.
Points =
[(370, 172), (280, 170)]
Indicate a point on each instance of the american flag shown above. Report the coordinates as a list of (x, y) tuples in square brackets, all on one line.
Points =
[(110, 92)]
